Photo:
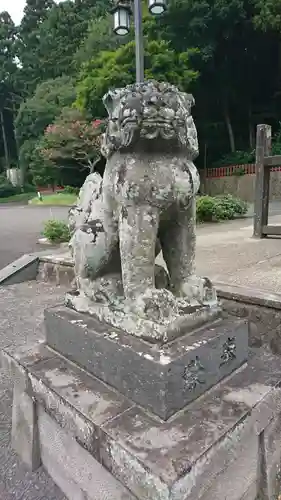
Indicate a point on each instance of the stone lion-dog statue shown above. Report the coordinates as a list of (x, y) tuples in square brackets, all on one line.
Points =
[(144, 203)]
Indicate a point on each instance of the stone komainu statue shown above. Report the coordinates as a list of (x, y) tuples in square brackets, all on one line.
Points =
[(144, 203)]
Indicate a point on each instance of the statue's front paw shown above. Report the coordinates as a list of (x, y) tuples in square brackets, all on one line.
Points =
[(196, 289), (156, 305)]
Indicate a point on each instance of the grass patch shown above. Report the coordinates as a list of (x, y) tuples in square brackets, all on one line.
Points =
[(17, 198), (55, 199)]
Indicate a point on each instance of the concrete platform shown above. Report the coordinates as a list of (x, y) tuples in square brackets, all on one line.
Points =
[(224, 446)]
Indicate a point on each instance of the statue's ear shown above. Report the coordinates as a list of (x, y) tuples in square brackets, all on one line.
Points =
[(192, 100), (189, 100)]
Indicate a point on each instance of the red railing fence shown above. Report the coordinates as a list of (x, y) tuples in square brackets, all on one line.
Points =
[(249, 168)]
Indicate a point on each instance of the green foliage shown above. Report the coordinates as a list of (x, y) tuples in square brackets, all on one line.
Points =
[(116, 69), (35, 167), (71, 190), (36, 113), (49, 35), (236, 158), (239, 172), (3, 179), (29, 188), (56, 231), (276, 143), (219, 208), (267, 14), (7, 189), (71, 141), (226, 52), (98, 38), (35, 13)]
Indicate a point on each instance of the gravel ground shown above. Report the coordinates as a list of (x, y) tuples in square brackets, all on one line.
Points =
[(21, 315)]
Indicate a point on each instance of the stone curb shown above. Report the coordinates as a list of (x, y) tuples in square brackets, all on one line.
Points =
[(46, 242), (48, 206), (250, 296), (25, 268)]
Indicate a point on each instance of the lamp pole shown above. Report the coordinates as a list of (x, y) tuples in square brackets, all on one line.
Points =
[(121, 12), (139, 41)]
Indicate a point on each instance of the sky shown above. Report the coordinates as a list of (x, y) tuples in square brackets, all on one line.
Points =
[(14, 7)]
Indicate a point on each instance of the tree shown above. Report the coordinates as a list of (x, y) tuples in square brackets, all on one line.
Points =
[(35, 12), (37, 112), (99, 37), (267, 14), (72, 141), (8, 70), (116, 69), (59, 43), (231, 91), (234, 71), (35, 168), (54, 40)]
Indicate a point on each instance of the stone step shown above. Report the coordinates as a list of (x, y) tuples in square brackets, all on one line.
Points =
[(57, 268), (225, 446)]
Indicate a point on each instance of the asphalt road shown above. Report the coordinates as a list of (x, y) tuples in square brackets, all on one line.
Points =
[(20, 228)]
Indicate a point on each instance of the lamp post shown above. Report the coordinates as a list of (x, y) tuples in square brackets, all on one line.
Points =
[(122, 12)]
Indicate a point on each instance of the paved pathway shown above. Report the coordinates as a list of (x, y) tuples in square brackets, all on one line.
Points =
[(20, 228), (21, 315), (227, 252)]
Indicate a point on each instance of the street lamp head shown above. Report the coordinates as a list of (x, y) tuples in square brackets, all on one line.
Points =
[(121, 19), (157, 7)]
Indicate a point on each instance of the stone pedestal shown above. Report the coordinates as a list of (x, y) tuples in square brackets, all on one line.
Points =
[(98, 444), (161, 378)]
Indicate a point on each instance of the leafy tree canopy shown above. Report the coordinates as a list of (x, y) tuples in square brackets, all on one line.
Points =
[(117, 68), (37, 112), (72, 141), (226, 52)]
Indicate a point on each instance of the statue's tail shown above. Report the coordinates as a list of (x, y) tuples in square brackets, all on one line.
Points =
[(89, 192)]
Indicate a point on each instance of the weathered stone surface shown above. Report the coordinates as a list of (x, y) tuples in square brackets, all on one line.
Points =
[(144, 202), (55, 272), (23, 269), (272, 457), (211, 449), (261, 309), (25, 438), (162, 378), (163, 330), (75, 471)]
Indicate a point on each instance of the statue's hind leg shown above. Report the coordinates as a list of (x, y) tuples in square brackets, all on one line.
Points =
[(178, 240)]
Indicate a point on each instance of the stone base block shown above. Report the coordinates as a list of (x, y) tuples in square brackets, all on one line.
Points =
[(161, 378), (97, 444), (190, 318), (24, 422)]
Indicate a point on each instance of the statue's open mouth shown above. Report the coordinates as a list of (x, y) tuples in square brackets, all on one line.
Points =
[(147, 122), (158, 123)]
